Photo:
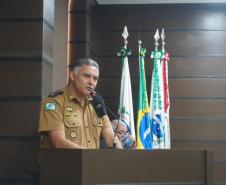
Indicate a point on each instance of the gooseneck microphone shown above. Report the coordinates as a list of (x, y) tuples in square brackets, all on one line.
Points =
[(98, 104), (101, 110)]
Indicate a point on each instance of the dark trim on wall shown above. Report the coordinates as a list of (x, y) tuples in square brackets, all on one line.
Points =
[(216, 141), (21, 59), (48, 25), (48, 60), (175, 98), (197, 98), (198, 118), (220, 162), (171, 55), (16, 180), (26, 59), (170, 77), (96, 3), (79, 42), (20, 98), (152, 30), (27, 19), (21, 19), (78, 12), (19, 138)]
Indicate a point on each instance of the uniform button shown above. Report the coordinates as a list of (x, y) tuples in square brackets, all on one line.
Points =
[(86, 127), (89, 141), (73, 134), (69, 109)]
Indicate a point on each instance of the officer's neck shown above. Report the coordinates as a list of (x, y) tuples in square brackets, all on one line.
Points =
[(73, 92)]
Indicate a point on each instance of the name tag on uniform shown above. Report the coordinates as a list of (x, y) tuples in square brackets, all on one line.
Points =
[(50, 106)]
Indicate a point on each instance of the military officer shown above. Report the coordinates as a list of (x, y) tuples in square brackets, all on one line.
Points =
[(75, 117)]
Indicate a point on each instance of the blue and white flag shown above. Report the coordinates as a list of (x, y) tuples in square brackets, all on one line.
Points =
[(159, 99)]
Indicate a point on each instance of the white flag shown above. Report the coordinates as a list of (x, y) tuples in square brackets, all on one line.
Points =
[(126, 98)]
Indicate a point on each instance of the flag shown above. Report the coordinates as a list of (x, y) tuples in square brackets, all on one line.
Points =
[(126, 99), (159, 101), (144, 140), (166, 100)]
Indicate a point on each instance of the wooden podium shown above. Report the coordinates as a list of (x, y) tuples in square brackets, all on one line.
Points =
[(131, 167)]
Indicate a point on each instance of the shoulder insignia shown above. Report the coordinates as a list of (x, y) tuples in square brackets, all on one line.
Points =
[(55, 93), (50, 106)]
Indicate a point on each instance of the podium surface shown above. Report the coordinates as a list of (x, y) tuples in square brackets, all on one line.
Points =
[(131, 167)]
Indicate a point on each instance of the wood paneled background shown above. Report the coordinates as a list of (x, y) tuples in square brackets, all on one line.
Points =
[(196, 40), (28, 30)]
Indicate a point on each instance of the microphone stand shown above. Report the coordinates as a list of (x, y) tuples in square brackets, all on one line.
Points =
[(93, 93)]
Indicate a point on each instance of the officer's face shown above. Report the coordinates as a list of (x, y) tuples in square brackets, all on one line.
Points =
[(85, 80)]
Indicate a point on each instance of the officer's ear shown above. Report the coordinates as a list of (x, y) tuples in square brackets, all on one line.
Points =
[(71, 75)]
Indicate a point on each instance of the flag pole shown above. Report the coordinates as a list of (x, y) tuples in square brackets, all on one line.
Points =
[(166, 92), (163, 36), (125, 110), (144, 139), (156, 37), (125, 35)]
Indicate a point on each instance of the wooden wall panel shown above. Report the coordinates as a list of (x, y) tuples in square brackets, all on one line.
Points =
[(20, 39), (198, 108), (171, 16), (113, 104), (198, 87), (18, 78), (183, 67), (189, 42), (19, 118), (179, 87), (220, 175), (106, 69), (78, 50), (15, 181), (197, 66), (19, 156), (23, 60), (78, 28), (190, 130), (78, 24), (10, 8), (218, 146), (110, 87), (195, 38)]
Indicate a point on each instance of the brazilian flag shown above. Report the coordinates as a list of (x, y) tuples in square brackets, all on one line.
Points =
[(144, 139)]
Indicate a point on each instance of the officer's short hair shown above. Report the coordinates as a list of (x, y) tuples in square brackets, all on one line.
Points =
[(75, 66)]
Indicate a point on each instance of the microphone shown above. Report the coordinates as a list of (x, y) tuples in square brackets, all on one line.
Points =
[(98, 104), (101, 110)]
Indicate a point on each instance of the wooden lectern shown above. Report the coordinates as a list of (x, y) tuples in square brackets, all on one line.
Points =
[(131, 167)]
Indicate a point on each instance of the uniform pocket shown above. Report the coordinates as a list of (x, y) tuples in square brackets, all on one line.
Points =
[(97, 125), (72, 127)]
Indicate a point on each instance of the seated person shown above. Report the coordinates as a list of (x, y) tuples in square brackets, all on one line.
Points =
[(122, 132)]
